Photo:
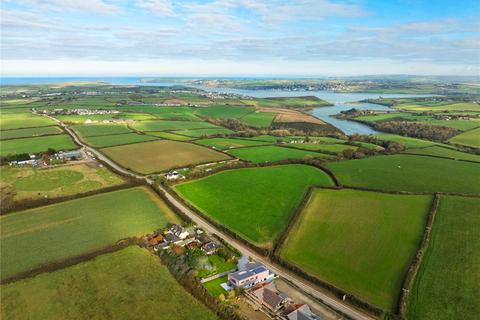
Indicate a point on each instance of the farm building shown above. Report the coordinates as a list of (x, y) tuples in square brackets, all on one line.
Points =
[(174, 175), (253, 274)]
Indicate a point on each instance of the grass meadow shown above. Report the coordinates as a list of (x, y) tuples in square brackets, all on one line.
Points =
[(156, 156), (29, 132), (90, 130), (36, 144), (446, 286), (409, 173), (127, 284), (470, 138), (22, 183), (253, 202), (272, 153), (117, 139), (164, 125), (51, 233), (24, 120), (229, 143), (198, 133), (362, 242), (445, 152)]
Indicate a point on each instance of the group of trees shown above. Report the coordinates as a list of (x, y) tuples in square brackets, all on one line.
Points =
[(417, 130)]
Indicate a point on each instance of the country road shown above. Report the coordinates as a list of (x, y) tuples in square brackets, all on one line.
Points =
[(302, 284)]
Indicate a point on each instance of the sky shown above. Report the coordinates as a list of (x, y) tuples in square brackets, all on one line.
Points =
[(239, 37)]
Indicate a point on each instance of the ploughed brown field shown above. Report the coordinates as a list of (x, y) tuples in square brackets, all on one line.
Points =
[(156, 156), (288, 115)]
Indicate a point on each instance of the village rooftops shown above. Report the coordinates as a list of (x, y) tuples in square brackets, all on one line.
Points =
[(254, 273), (301, 312)]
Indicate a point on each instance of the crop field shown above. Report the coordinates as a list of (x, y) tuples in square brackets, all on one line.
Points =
[(290, 102), (446, 286), (21, 183), (36, 144), (444, 152), (126, 284), (259, 119), (226, 143), (90, 130), (377, 235), (164, 125), (169, 136), (254, 202), (165, 113), (407, 141), (42, 235), (29, 132), (272, 153), (156, 156), (117, 139), (470, 138), (198, 133), (23, 120), (409, 173)]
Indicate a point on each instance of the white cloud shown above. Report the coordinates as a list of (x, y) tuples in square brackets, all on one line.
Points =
[(157, 7), (92, 6)]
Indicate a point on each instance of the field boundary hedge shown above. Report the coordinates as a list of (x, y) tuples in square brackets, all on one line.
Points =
[(33, 203), (416, 261), (68, 262), (440, 157)]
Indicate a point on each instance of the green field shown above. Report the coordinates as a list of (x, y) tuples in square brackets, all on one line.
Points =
[(52, 233), (198, 133), (447, 153), (226, 143), (117, 139), (259, 119), (446, 286), (407, 141), (89, 130), (272, 153), (161, 155), (409, 173), (336, 148), (223, 112), (165, 125), (470, 138), (29, 132), (127, 284), (36, 144), (362, 242), (21, 183), (254, 202), (169, 136), (165, 113), (101, 117), (439, 106), (23, 120)]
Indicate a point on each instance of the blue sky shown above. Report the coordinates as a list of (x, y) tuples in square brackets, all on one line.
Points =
[(240, 37)]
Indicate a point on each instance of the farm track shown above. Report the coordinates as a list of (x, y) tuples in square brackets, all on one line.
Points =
[(342, 308)]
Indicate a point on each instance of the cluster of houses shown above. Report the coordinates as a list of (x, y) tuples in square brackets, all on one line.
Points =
[(80, 112), (192, 237), (44, 161), (174, 176), (260, 290)]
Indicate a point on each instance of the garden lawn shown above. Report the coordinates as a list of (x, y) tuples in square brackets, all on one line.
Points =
[(226, 143), (445, 152), (29, 132), (165, 125), (36, 144), (214, 286), (126, 284), (156, 156), (272, 153), (89, 130), (361, 242), (117, 139), (409, 173), (56, 232), (470, 138), (23, 120), (446, 286), (254, 202)]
